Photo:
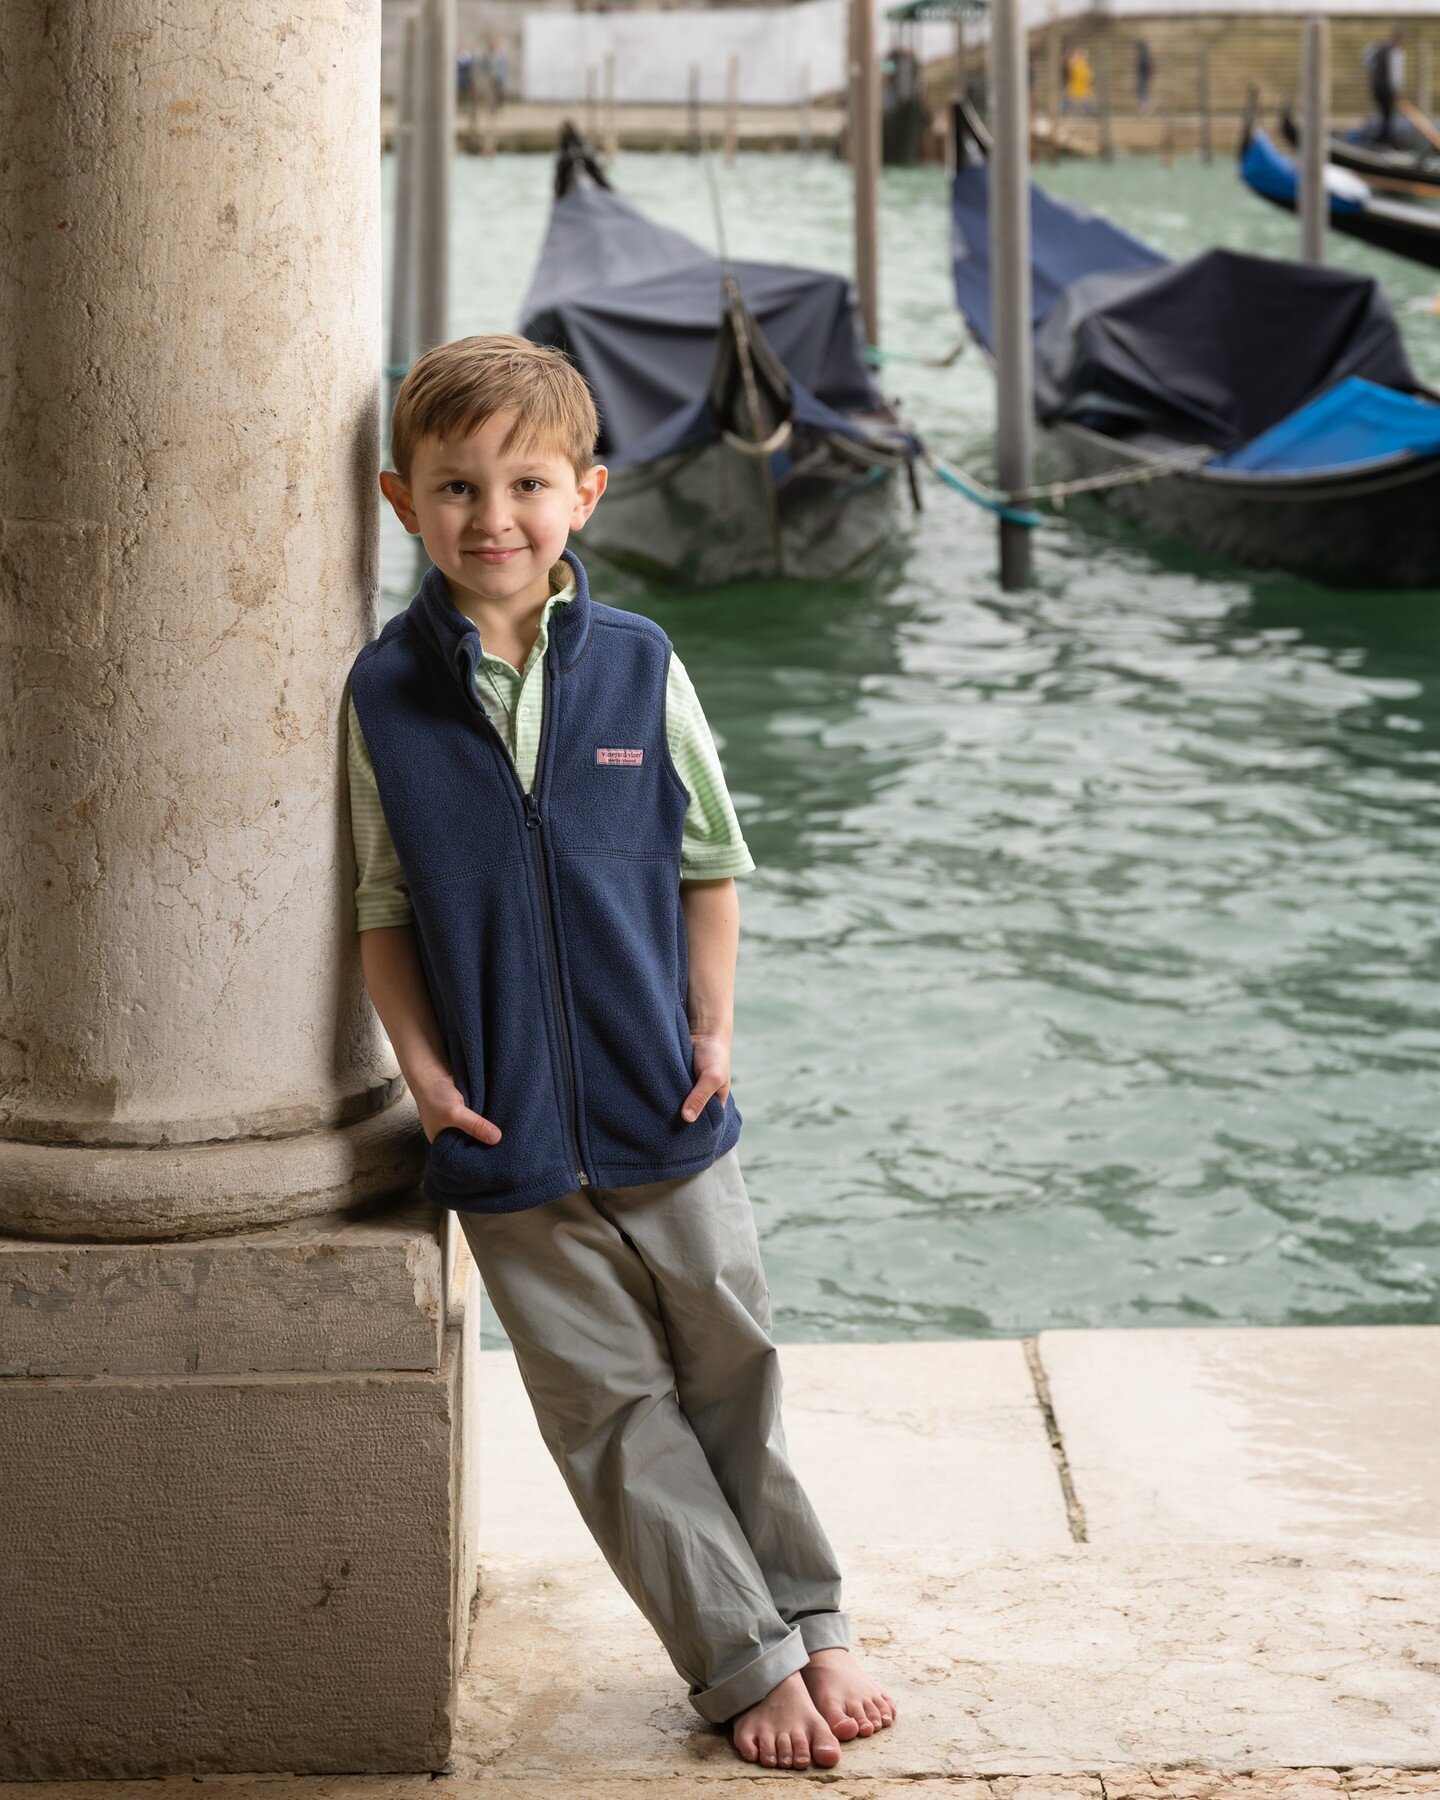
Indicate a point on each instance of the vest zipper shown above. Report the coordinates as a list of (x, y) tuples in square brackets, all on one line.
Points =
[(532, 821)]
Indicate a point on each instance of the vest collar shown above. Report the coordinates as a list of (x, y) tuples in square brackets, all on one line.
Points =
[(456, 641)]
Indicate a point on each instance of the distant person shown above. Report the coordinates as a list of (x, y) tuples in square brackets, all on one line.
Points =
[(480, 76), (1385, 72), (499, 71), (1144, 74), (1079, 82), (1067, 58), (464, 73)]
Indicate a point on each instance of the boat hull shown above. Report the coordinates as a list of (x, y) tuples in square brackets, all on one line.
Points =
[(1362, 530), (702, 517)]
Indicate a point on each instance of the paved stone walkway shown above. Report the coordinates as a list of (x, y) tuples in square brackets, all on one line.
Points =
[(1131, 1565)]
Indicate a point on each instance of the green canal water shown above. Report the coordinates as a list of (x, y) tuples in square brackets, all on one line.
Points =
[(1088, 973)]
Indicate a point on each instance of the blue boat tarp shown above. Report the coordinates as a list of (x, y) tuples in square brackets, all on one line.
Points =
[(1215, 350), (1271, 173), (1066, 242), (638, 308), (1354, 423)]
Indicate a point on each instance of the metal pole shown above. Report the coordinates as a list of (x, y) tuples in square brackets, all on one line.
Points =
[(1055, 81), (1102, 97), (693, 145), (612, 126), (1314, 137), (865, 149), (1010, 297), (1207, 145), (434, 151), (732, 102), (402, 219), (592, 130)]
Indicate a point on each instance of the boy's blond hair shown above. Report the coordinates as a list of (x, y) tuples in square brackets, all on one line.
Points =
[(453, 389)]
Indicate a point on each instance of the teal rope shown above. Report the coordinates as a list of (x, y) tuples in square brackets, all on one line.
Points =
[(877, 356), (396, 371), (983, 496)]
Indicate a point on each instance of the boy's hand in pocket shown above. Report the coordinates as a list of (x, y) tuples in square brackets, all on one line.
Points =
[(712, 1071), (441, 1104)]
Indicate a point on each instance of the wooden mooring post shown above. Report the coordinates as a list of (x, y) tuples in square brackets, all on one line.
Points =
[(732, 106), (1010, 281), (865, 159), (402, 219), (612, 122), (434, 153), (1314, 138), (1202, 96)]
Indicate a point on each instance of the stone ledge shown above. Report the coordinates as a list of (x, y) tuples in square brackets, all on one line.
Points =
[(340, 1291)]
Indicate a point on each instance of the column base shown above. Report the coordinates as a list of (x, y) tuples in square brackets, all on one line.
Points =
[(231, 1565)]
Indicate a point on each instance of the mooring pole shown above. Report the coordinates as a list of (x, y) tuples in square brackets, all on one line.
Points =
[(612, 123), (865, 158), (805, 109), (1104, 117), (732, 106), (434, 151), (1315, 136), (1009, 174), (402, 222), (1207, 138), (692, 139)]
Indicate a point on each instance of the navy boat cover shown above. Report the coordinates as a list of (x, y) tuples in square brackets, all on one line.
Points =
[(1213, 350), (638, 306)]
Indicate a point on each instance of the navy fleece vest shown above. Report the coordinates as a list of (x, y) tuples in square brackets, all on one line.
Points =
[(549, 925)]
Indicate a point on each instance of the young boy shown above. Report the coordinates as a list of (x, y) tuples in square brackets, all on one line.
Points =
[(548, 930)]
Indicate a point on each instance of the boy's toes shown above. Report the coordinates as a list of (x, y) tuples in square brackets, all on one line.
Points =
[(748, 1745), (783, 1754), (840, 1722), (767, 1749), (824, 1750)]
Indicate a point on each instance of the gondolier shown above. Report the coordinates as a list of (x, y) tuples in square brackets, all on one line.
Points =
[(1385, 72)]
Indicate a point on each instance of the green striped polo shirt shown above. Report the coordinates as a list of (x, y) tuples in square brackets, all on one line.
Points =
[(711, 847)]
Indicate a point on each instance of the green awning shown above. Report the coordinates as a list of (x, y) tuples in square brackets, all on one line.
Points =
[(917, 10)]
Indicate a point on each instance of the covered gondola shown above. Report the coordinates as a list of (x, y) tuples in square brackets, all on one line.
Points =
[(1261, 410), (739, 420), (1415, 174), (1407, 228)]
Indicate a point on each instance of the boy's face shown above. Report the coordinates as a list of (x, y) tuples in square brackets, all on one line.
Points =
[(493, 524)]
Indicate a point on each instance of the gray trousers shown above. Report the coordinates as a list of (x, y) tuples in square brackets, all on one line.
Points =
[(640, 1320)]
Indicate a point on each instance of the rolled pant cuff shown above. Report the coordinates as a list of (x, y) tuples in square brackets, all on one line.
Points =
[(825, 1630), (742, 1689)]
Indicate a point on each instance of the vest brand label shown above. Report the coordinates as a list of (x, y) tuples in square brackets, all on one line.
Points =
[(630, 757)]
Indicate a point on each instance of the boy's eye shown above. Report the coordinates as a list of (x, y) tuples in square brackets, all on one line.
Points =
[(451, 486), (530, 483)]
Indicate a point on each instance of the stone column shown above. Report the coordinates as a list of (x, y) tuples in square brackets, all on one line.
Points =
[(239, 1517), (189, 284)]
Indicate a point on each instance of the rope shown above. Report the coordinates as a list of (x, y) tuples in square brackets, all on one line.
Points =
[(876, 357), (1011, 507), (983, 496), (1195, 457)]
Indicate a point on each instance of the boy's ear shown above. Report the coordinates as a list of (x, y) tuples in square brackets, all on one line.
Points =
[(396, 492), (587, 493)]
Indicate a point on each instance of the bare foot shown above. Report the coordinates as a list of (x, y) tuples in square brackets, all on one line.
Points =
[(853, 1703), (784, 1730)]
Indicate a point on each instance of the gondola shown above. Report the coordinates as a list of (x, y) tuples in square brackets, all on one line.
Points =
[(1260, 410), (1403, 227), (739, 420), (1385, 170)]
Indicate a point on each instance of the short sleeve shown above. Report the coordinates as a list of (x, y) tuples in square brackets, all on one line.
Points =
[(381, 895), (712, 846)]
